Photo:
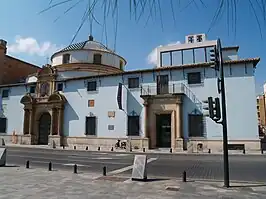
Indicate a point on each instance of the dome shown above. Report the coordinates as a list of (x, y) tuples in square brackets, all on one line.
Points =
[(90, 44)]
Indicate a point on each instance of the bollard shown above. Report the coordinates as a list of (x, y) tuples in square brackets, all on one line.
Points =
[(130, 150), (99, 148), (244, 151), (143, 149), (112, 149), (75, 147), (28, 164), (184, 176), (261, 151), (50, 166), (63, 146), (104, 171), (87, 148), (75, 168), (209, 151), (171, 150)]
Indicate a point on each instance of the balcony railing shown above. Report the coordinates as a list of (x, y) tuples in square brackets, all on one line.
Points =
[(175, 88)]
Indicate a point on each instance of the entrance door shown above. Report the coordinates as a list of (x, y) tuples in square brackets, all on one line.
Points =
[(44, 128), (163, 130)]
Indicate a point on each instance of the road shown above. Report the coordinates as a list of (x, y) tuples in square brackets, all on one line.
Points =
[(242, 167)]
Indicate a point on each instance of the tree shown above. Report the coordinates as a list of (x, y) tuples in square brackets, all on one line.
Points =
[(152, 8)]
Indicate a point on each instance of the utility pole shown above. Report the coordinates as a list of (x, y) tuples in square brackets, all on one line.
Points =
[(217, 57)]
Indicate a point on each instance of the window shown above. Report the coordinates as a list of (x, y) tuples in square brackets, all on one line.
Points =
[(199, 38), (97, 59), (66, 58), (133, 125), (60, 87), (91, 86), (165, 59), (32, 89), (121, 65), (195, 125), (91, 125), (199, 54), (176, 58), (190, 39), (3, 124), (5, 93), (194, 78), (188, 57), (133, 82)]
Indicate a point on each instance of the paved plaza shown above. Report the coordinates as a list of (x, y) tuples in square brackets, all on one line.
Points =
[(20, 183)]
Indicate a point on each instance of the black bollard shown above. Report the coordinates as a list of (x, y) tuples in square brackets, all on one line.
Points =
[(87, 148), (112, 149), (104, 171), (63, 146), (143, 149), (130, 149), (244, 151), (171, 150), (99, 148), (75, 168), (75, 147), (261, 151), (209, 151), (28, 164), (184, 176), (50, 166)]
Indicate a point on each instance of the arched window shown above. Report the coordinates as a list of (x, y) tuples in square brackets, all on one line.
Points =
[(121, 65), (66, 58), (97, 59)]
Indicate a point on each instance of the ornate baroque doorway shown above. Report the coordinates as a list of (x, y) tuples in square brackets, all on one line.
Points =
[(44, 128)]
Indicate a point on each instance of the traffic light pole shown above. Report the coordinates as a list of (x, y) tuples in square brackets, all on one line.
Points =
[(224, 120)]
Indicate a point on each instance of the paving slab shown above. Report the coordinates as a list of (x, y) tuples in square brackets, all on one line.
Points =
[(20, 183)]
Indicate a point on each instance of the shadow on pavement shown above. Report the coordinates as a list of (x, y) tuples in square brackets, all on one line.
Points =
[(11, 166), (252, 185)]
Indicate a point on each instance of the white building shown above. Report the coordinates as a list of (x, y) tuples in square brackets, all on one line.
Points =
[(75, 101)]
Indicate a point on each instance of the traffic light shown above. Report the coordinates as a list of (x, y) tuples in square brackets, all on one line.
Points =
[(214, 111), (214, 57)]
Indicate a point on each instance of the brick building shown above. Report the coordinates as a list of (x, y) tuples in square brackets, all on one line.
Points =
[(13, 70)]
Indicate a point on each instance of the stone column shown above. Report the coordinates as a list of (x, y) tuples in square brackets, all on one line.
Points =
[(146, 118), (179, 118), (59, 124), (173, 129), (25, 127), (52, 122), (30, 121)]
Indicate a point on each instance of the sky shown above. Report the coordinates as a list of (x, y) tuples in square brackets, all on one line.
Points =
[(33, 36)]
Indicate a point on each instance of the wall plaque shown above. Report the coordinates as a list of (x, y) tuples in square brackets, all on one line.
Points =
[(111, 113), (90, 103), (111, 127)]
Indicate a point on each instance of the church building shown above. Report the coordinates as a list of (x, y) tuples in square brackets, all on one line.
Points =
[(86, 97)]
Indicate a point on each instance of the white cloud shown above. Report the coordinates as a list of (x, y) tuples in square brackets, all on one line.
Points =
[(152, 57), (31, 46)]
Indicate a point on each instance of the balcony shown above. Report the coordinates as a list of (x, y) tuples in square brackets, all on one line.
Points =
[(162, 90), (174, 88)]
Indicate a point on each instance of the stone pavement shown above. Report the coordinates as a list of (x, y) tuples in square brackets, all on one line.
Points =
[(20, 183)]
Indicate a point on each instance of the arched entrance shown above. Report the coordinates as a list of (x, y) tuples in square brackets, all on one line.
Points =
[(44, 128)]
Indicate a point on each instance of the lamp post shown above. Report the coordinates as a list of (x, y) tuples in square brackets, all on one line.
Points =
[(217, 58)]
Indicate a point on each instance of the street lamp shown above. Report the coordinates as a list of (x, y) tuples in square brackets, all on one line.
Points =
[(216, 57)]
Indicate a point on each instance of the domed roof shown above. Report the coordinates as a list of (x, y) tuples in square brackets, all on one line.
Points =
[(86, 45)]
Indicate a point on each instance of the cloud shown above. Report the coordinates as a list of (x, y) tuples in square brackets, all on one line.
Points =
[(31, 46), (152, 57)]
